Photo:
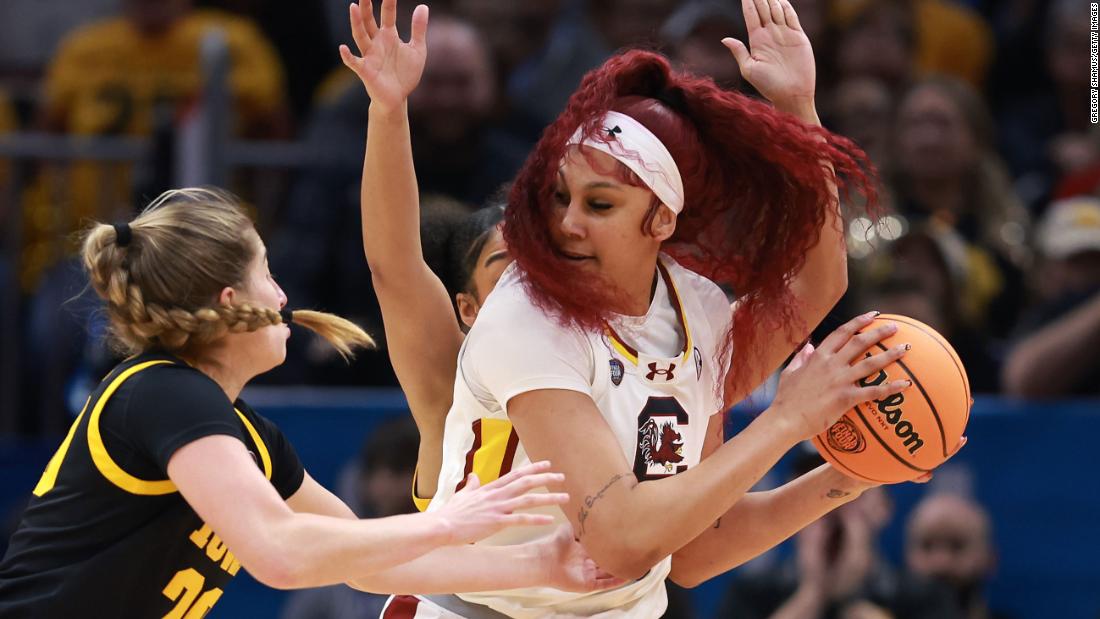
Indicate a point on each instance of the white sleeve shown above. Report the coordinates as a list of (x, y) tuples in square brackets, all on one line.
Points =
[(514, 348)]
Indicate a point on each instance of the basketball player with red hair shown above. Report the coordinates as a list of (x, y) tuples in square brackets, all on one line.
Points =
[(609, 347)]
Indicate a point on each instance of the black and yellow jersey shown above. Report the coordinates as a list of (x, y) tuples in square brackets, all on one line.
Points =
[(106, 533)]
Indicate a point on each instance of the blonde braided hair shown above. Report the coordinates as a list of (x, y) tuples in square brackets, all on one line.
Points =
[(162, 287)]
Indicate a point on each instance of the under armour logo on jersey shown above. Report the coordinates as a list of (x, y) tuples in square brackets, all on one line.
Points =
[(611, 131), (666, 372), (698, 363)]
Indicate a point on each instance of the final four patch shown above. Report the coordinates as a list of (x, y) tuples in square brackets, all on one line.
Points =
[(616, 372)]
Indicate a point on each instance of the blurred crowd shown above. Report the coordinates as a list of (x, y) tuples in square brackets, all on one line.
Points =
[(975, 113)]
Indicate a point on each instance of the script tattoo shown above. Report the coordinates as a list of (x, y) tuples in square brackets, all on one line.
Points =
[(591, 499), (837, 494)]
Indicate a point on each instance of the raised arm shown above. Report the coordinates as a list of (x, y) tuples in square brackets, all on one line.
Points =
[(624, 524), (781, 66), (284, 548), (422, 335)]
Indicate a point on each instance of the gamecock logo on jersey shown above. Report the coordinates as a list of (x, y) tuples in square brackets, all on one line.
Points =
[(660, 444)]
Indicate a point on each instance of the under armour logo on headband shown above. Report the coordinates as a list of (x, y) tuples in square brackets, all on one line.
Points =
[(641, 152)]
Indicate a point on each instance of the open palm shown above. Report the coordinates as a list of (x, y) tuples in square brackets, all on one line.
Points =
[(389, 67), (781, 62)]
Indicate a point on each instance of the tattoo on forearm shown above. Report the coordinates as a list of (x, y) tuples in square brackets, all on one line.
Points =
[(837, 494), (591, 499)]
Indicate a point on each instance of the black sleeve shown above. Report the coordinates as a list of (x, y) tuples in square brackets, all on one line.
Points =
[(287, 471), (170, 406)]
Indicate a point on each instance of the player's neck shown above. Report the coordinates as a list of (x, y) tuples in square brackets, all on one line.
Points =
[(224, 370)]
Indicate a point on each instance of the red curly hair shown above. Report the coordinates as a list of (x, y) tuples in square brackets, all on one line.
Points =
[(757, 189)]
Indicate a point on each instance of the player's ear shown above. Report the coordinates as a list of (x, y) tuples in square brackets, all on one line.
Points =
[(227, 296), (663, 224), (468, 307)]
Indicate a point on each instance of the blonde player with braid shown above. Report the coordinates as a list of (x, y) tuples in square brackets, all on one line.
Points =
[(168, 483)]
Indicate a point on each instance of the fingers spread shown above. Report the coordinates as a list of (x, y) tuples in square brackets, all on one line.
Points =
[(368, 19), (358, 29), (540, 499), (838, 338), (527, 483), (871, 364), (790, 15), (389, 13), (752, 14), (420, 26), (863, 340), (776, 11), (349, 58)]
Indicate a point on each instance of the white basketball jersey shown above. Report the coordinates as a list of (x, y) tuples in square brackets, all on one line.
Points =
[(653, 379)]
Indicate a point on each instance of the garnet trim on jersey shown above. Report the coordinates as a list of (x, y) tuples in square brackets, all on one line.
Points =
[(628, 351), (492, 452)]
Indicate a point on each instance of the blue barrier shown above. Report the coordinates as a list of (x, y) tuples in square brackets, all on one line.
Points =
[(1032, 465)]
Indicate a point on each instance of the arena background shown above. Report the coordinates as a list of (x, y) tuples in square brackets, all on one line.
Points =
[(977, 113)]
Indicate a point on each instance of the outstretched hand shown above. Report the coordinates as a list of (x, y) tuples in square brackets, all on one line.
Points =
[(477, 511), (569, 566), (389, 67), (779, 61)]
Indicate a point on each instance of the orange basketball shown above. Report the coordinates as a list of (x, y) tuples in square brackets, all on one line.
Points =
[(905, 435)]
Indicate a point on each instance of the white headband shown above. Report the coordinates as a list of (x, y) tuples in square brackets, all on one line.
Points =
[(628, 141)]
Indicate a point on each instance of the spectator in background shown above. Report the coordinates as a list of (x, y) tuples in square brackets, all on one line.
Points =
[(1055, 355), (877, 40), (929, 274), (837, 572), (690, 33), (862, 108), (299, 34), (540, 50), (112, 77), (1045, 135), (376, 485), (121, 76), (950, 39), (946, 170), (949, 539)]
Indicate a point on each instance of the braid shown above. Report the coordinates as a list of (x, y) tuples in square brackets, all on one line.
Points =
[(161, 280)]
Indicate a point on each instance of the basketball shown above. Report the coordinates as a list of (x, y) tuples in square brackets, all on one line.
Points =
[(907, 434)]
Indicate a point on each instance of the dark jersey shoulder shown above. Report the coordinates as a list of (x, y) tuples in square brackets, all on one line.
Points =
[(106, 529)]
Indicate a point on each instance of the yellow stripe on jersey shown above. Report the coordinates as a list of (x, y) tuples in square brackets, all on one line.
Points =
[(631, 357), (107, 466), (681, 314), (421, 504), (265, 457), (49, 476), (489, 458), (629, 353)]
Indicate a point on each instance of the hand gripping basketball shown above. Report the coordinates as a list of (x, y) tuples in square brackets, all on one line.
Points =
[(902, 436), (819, 385)]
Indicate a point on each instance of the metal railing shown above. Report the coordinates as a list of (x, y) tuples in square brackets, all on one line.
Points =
[(197, 149)]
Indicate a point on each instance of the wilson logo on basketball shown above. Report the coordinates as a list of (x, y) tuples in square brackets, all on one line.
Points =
[(890, 408), (845, 436)]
